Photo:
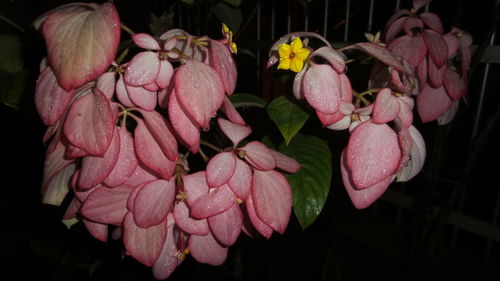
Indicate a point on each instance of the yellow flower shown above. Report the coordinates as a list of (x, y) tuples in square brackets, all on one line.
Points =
[(229, 36), (292, 56)]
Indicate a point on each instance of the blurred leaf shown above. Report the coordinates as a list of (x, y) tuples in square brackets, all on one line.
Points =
[(310, 186), (13, 87), (11, 56), (243, 100), (231, 16), (288, 116), (159, 25), (234, 3)]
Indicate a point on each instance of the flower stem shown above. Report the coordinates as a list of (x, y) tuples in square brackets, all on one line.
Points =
[(205, 158), (360, 97), (122, 56), (127, 29), (15, 25), (207, 144)]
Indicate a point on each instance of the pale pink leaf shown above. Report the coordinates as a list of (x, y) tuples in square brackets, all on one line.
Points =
[(394, 29), (382, 54), (261, 227), (241, 180), (372, 153), (90, 123), (142, 69), (272, 199), (432, 21), (141, 97), (452, 43), (411, 48), (139, 176), (321, 87), (81, 44), (234, 132), (168, 259), (195, 186), (165, 74), (432, 103), (231, 112), (386, 107), (331, 56), (55, 162), (127, 161), (50, 99), (107, 205), (362, 198), (122, 93), (285, 163), (144, 244), (98, 230), (160, 130), (417, 157), (107, 83), (328, 119), (455, 86), (259, 156), (186, 130), (188, 224), (215, 202), (200, 91), (220, 168), (206, 249), (222, 61), (438, 50), (226, 226), (405, 112), (95, 169), (153, 202), (436, 75), (146, 41)]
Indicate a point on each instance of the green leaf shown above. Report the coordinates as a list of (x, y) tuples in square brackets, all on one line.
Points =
[(13, 87), (11, 54), (310, 186), (247, 100), (231, 16), (288, 116)]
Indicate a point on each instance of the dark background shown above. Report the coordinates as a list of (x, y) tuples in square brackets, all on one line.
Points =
[(391, 240)]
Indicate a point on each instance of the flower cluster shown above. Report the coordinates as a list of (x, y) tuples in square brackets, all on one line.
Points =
[(114, 129), (383, 145)]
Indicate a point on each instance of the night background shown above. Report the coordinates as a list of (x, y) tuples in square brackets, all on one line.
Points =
[(443, 224)]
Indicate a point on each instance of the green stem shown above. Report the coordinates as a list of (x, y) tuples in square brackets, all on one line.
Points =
[(127, 29), (207, 144), (122, 56), (15, 25), (205, 158), (360, 97)]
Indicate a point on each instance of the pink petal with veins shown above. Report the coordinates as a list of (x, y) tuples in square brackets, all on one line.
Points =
[(362, 198), (142, 69), (432, 103), (261, 227), (321, 87), (432, 21), (153, 202), (95, 169), (188, 224), (411, 48), (168, 260), (159, 128), (142, 98), (394, 29), (222, 61), (165, 74), (452, 43), (272, 199), (417, 157), (98, 230), (122, 93), (259, 156), (372, 154), (144, 244), (200, 91), (231, 112), (333, 57), (140, 176), (234, 132), (58, 188), (186, 130), (90, 123), (405, 112), (220, 168), (226, 226), (215, 202), (195, 186), (241, 180), (146, 41), (436, 75), (436, 46), (386, 107), (107, 205), (50, 99), (206, 249), (412, 24), (127, 161), (107, 83), (285, 163), (455, 86)]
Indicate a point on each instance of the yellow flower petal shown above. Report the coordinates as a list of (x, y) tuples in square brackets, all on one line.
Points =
[(225, 29), (302, 54), (296, 65), (296, 45), (234, 49), (284, 51), (284, 63)]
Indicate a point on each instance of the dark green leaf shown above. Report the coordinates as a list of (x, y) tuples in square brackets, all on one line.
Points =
[(11, 56), (231, 16), (288, 116), (243, 100), (13, 87), (310, 186)]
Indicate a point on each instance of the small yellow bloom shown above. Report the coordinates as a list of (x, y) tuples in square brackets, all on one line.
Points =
[(229, 36), (292, 56)]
